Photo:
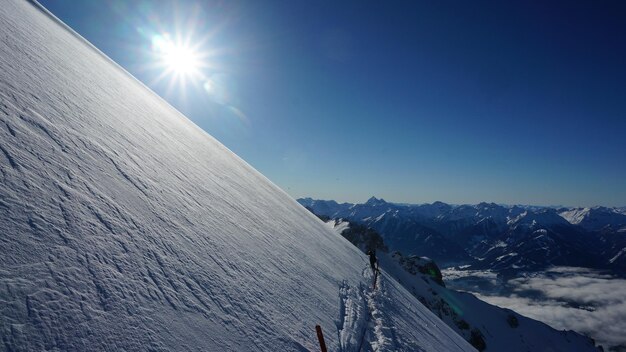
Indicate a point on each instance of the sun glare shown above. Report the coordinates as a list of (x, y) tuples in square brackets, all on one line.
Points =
[(177, 59), (184, 58), (181, 60)]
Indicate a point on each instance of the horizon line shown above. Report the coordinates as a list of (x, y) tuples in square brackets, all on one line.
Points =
[(554, 206)]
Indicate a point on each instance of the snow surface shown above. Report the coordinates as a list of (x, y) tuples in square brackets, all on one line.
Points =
[(338, 225), (124, 226)]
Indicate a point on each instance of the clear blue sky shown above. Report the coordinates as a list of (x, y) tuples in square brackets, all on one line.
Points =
[(412, 101)]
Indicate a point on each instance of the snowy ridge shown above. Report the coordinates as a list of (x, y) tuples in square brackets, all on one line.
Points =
[(596, 218), (84, 41), (126, 227), (488, 327)]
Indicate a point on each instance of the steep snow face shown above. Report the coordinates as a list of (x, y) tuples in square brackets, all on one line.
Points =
[(595, 218), (576, 215), (125, 227)]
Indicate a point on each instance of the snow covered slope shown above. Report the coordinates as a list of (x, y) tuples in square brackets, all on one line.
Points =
[(596, 218), (487, 327), (123, 226)]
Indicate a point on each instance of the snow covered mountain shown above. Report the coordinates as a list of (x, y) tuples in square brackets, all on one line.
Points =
[(596, 218), (123, 226), (507, 239), (487, 327)]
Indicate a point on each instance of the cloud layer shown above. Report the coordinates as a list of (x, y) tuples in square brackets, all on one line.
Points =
[(582, 300)]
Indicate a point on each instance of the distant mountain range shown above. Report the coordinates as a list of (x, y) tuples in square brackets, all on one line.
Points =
[(506, 239)]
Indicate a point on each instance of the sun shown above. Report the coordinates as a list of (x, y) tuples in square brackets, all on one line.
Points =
[(177, 59), (181, 60)]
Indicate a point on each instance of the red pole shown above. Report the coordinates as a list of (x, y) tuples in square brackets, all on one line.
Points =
[(320, 337)]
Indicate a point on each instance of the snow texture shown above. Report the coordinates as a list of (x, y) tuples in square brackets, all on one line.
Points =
[(124, 226)]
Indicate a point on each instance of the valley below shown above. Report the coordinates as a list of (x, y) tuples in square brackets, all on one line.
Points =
[(591, 302)]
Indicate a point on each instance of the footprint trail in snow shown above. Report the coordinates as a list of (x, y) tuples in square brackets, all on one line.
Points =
[(363, 324)]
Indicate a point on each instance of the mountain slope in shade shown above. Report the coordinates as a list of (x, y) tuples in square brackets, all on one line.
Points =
[(126, 227)]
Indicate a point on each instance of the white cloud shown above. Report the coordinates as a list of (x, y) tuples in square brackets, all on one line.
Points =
[(585, 301)]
